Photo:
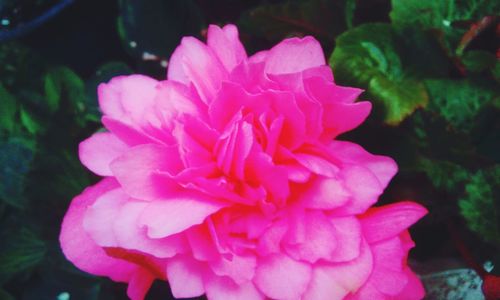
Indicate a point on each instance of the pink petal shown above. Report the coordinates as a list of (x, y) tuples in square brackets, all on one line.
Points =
[(280, 277), (388, 221), (325, 91), (80, 249), (324, 193), (127, 133), (294, 55), (364, 188), (127, 96), (139, 285), (319, 238), (133, 237), (202, 243), (342, 117), (194, 62), (136, 169), (185, 276), (381, 166), (171, 216), (240, 268), (414, 290), (335, 281), (317, 164), (222, 288), (349, 238), (226, 45), (97, 152), (99, 217)]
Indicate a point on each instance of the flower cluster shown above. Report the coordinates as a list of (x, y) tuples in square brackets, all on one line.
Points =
[(226, 180)]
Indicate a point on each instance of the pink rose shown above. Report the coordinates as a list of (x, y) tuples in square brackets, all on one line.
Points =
[(226, 180)]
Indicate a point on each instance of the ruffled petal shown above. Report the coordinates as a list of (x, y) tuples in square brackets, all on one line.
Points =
[(78, 246), (281, 277), (388, 221), (139, 285), (186, 277), (222, 288), (194, 62), (226, 45), (294, 55), (97, 152)]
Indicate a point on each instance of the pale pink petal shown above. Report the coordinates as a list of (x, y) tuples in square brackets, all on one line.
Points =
[(127, 96), (270, 241), (240, 268), (171, 216), (383, 167), (97, 152), (136, 169), (280, 277), (323, 193), (186, 277), (226, 45), (127, 133), (364, 188), (258, 57), (319, 240), (317, 164), (139, 285), (388, 221), (336, 280), (80, 249), (294, 55), (194, 62), (349, 238), (222, 288), (130, 235), (99, 217)]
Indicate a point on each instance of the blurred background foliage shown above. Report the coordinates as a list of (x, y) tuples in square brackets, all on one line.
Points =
[(431, 69)]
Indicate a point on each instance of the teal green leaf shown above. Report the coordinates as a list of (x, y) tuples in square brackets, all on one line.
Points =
[(480, 206), (478, 60), (459, 101), (366, 56), (16, 156), (444, 175), (8, 109), (21, 250), (440, 14), (322, 18)]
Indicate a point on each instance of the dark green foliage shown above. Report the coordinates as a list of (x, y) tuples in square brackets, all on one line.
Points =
[(481, 204)]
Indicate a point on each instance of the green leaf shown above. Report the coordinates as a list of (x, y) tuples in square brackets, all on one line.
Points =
[(366, 56), (444, 175), (480, 206), (478, 60), (53, 89), (459, 101), (321, 18), (8, 109), (440, 14), (21, 250), (32, 122), (16, 156)]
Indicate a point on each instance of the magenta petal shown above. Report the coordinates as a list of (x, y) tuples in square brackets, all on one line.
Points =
[(324, 193), (222, 288), (97, 152), (130, 235), (382, 167), (171, 216), (127, 133), (240, 268), (194, 62), (127, 96), (343, 117), (414, 290), (136, 169), (388, 221), (186, 277), (280, 277), (139, 285), (335, 281), (226, 45), (294, 55), (80, 249)]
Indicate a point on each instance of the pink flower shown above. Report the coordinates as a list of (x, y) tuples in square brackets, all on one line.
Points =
[(226, 180)]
